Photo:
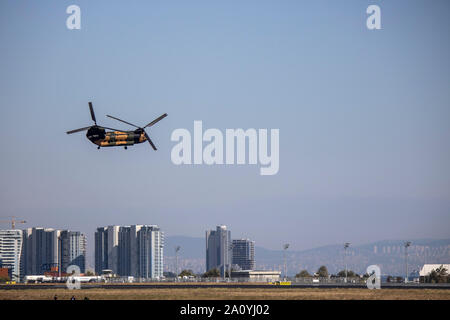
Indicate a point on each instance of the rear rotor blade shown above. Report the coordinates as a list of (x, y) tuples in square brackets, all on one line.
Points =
[(150, 141), (77, 130), (156, 120), (123, 121), (92, 112)]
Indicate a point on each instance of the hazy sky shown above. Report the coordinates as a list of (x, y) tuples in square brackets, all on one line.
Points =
[(364, 116)]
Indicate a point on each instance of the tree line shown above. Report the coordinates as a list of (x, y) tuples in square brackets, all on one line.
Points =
[(322, 272)]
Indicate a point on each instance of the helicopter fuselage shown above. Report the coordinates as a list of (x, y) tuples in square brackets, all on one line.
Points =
[(101, 138), (98, 135)]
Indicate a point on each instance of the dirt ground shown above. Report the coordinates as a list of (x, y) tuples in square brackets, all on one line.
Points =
[(227, 293)]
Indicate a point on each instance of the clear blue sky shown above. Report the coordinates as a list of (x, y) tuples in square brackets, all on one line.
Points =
[(364, 116)]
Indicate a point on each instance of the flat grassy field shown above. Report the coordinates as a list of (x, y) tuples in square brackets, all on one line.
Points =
[(227, 293)]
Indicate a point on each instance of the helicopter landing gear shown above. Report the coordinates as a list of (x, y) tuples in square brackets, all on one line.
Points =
[(125, 148)]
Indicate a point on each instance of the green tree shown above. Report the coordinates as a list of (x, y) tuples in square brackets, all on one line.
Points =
[(3, 279), (350, 274), (213, 273), (303, 274), (90, 273), (322, 272), (439, 275), (187, 273), (169, 274), (227, 273)]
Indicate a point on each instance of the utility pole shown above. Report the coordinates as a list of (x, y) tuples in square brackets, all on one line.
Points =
[(177, 248), (346, 245), (285, 247), (407, 244)]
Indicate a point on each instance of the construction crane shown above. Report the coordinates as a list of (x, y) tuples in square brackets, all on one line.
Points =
[(13, 222)]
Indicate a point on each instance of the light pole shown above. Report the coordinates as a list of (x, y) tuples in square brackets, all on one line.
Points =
[(285, 247), (231, 262), (177, 248), (407, 244), (346, 245), (225, 246)]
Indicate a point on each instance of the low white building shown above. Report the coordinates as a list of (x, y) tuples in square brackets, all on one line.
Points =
[(256, 276), (427, 268)]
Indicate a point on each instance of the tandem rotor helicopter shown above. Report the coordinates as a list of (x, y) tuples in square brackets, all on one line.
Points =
[(98, 135)]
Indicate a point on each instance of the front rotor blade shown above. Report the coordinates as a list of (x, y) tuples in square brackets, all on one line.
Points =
[(77, 130), (150, 141), (123, 121), (156, 120), (112, 129), (92, 112)]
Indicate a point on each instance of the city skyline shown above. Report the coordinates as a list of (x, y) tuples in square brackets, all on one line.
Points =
[(214, 153), (362, 117), (277, 263)]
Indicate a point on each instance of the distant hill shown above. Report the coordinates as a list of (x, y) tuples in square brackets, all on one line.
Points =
[(388, 254)]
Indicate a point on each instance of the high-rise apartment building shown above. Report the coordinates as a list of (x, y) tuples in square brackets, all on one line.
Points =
[(113, 248), (107, 249), (49, 249), (101, 249), (218, 245), (150, 246), (11, 252), (244, 254), (128, 250), (73, 250), (52, 249), (135, 250), (124, 251), (41, 250)]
